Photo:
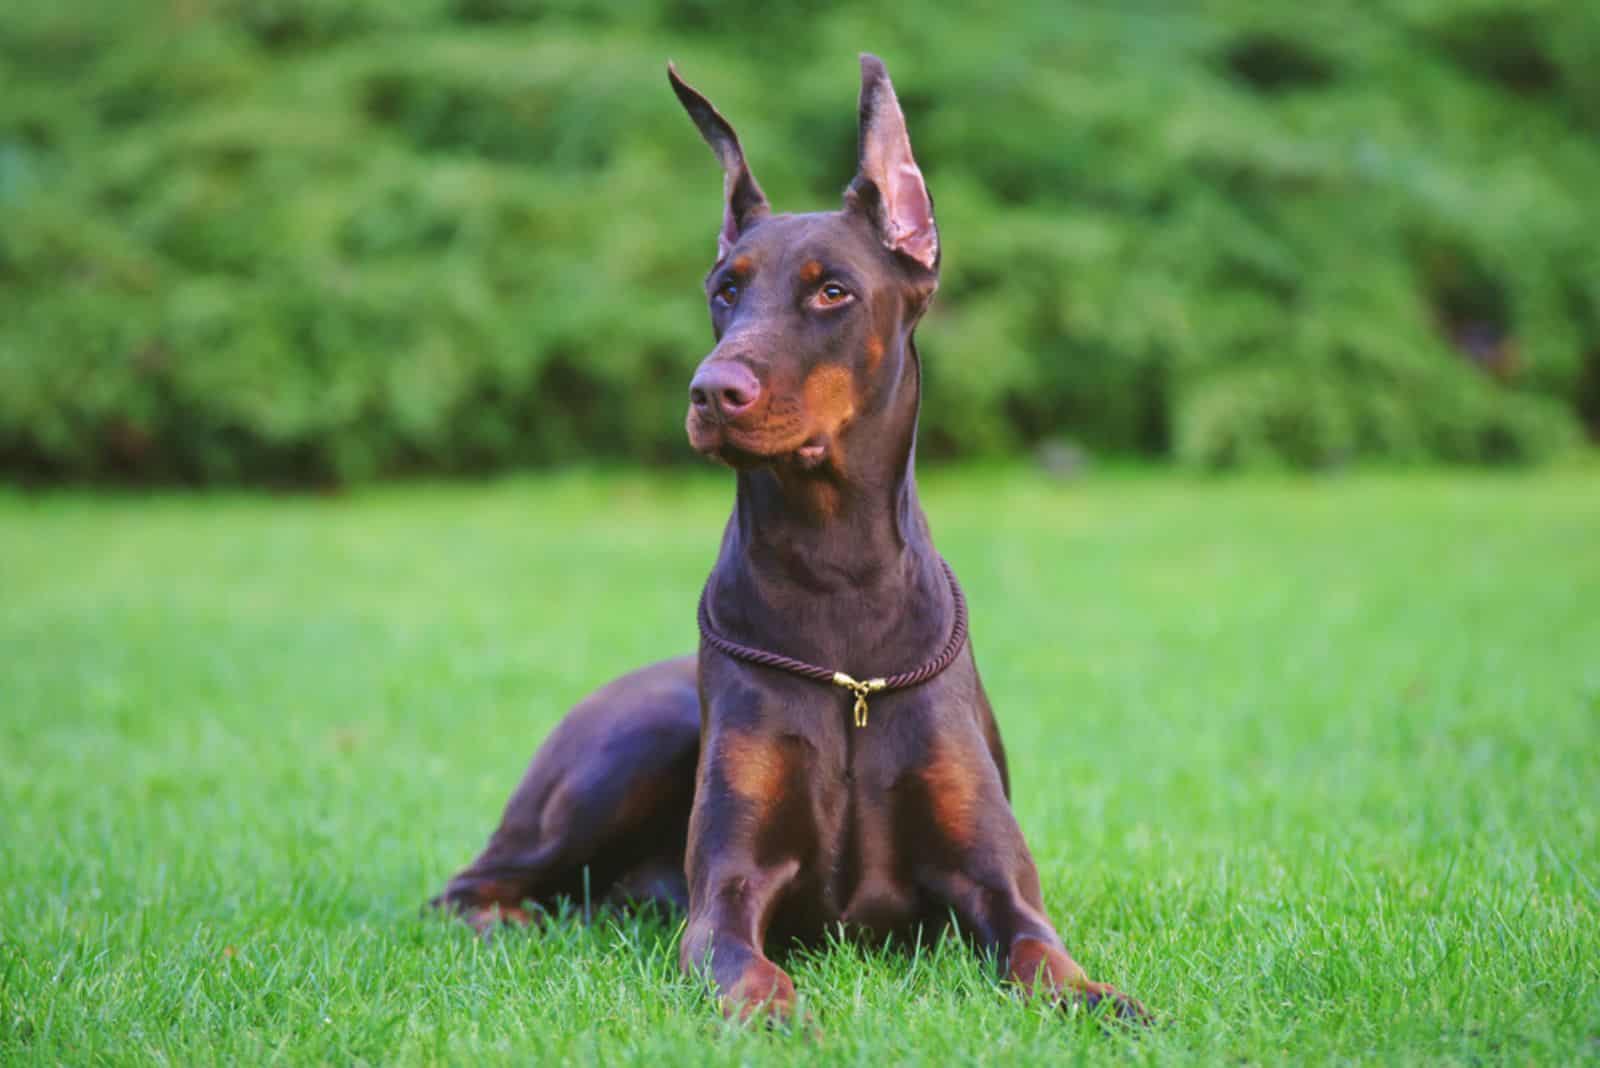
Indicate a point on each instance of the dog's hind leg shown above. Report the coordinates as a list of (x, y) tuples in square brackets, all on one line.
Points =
[(602, 813)]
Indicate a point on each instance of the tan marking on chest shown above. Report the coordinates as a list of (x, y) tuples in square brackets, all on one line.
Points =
[(753, 767), (952, 796)]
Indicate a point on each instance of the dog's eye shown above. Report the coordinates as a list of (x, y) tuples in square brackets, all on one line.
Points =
[(728, 293), (831, 295)]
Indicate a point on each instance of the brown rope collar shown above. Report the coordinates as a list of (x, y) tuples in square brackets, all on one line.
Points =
[(861, 688)]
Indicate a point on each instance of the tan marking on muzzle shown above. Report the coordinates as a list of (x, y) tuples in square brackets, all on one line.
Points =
[(830, 397)]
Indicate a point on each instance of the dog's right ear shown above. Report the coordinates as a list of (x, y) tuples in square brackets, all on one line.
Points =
[(744, 204)]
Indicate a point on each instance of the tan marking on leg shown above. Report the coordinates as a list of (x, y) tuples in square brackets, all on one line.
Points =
[(485, 918), (762, 989), (1043, 970), (952, 795), (1038, 966), (810, 271)]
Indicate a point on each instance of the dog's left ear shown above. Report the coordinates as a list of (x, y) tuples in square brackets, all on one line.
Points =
[(888, 186)]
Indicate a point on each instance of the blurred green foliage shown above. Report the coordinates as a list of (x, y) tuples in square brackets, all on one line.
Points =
[(307, 240)]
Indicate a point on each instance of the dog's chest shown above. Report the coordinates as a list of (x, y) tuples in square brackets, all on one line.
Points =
[(868, 838)]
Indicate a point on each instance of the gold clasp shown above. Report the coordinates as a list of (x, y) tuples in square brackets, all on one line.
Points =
[(860, 689)]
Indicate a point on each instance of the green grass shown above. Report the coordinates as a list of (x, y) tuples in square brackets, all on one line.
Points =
[(1313, 767)]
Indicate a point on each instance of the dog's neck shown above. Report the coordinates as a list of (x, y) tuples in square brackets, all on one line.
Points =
[(845, 547)]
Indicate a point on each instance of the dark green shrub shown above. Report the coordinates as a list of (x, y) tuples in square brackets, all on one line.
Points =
[(289, 240)]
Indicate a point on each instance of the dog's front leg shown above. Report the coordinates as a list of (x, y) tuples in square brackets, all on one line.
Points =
[(979, 866), (1005, 915), (723, 940), (745, 838)]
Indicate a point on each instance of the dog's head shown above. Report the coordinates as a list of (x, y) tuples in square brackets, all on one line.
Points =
[(812, 313)]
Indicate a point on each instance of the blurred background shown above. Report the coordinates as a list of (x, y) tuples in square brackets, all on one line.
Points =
[(315, 242)]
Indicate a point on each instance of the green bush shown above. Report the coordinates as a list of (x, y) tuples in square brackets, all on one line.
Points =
[(292, 240)]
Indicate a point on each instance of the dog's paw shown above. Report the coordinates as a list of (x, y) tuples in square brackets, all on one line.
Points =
[(1103, 998), (764, 991), (484, 918), (487, 919)]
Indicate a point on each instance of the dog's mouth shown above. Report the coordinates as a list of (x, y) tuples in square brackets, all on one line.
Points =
[(742, 447)]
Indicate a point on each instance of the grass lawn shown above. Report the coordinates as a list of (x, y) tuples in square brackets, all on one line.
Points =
[(1312, 767)]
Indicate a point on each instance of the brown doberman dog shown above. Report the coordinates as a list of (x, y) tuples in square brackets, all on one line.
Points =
[(750, 785)]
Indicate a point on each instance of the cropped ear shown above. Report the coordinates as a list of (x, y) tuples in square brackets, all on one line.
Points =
[(744, 204), (888, 185)]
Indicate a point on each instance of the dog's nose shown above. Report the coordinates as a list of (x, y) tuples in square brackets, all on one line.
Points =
[(724, 388)]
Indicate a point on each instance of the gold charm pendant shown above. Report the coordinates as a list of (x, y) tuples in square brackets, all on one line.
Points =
[(860, 689)]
